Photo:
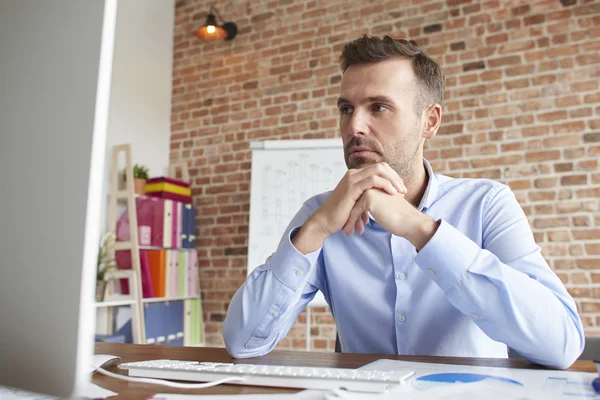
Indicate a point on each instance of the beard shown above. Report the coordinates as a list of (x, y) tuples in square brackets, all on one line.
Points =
[(400, 157), (368, 143)]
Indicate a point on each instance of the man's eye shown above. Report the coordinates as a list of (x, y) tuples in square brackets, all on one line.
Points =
[(379, 108), (345, 109)]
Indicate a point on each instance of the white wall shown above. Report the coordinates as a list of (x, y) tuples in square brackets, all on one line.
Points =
[(140, 102)]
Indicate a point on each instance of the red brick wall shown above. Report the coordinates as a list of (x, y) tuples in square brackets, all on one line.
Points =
[(523, 107)]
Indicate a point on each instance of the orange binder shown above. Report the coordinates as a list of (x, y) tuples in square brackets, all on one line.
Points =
[(158, 270)]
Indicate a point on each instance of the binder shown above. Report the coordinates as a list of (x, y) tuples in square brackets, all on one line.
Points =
[(157, 262), (144, 209), (168, 273), (179, 226), (183, 274), (179, 322), (196, 322), (157, 233), (153, 322), (191, 228), (144, 218), (185, 225), (173, 322), (167, 223), (190, 274), (193, 269), (174, 223), (123, 261), (174, 283), (187, 323)]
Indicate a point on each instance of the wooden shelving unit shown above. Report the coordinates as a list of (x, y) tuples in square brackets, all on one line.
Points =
[(135, 299)]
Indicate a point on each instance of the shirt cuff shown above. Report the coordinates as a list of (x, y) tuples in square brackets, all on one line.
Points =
[(290, 266), (447, 255)]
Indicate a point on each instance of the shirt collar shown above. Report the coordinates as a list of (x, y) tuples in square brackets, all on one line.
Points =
[(431, 191), (433, 186)]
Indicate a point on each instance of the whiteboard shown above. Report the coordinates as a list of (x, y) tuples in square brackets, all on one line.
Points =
[(286, 173)]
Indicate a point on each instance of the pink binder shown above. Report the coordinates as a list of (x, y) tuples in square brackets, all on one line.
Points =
[(144, 208), (194, 283), (174, 289)]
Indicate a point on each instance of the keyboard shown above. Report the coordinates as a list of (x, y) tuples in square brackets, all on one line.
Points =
[(270, 375)]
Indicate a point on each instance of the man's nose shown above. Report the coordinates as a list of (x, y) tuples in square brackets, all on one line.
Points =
[(358, 124)]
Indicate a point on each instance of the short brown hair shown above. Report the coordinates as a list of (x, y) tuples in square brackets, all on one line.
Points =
[(371, 49)]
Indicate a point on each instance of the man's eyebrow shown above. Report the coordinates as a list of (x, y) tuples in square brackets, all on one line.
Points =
[(342, 100), (370, 99), (378, 99)]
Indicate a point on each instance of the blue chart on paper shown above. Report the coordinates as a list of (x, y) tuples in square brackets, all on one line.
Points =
[(433, 380)]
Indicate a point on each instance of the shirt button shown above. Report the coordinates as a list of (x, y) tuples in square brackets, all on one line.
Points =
[(431, 272), (401, 275), (275, 314), (475, 316), (401, 318), (299, 272)]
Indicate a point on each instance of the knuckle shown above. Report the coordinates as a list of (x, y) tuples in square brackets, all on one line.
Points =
[(351, 178)]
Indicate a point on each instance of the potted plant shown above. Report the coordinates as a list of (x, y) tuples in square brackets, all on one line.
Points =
[(105, 263), (140, 176)]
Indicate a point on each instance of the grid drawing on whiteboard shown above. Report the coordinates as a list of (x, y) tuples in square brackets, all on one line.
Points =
[(281, 182)]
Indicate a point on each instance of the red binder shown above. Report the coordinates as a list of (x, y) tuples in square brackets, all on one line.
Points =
[(123, 261)]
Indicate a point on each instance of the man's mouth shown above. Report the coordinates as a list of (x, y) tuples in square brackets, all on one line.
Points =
[(360, 151)]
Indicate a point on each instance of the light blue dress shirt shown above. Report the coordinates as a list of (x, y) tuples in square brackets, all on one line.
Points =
[(480, 284)]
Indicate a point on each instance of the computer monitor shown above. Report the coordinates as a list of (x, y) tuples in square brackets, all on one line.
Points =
[(55, 74)]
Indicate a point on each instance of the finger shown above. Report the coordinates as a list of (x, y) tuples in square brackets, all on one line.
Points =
[(375, 181), (359, 226), (355, 214), (385, 171), (365, 217), (348, 228), (393, 173)]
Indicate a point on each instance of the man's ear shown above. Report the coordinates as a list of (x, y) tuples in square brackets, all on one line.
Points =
[(433, 119)]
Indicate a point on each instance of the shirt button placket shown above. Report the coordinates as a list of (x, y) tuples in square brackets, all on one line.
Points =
[(400, 276)]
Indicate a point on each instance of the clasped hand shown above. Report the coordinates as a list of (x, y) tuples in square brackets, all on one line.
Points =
[(376, 189)]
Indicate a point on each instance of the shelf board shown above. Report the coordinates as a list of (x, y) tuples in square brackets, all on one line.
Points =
[(123, 245), (114, 303), (164, 299), (165, 248)]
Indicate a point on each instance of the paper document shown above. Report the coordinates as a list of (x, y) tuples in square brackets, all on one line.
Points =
[(549, 384), (481, 390), (88, 391), (303, 395)]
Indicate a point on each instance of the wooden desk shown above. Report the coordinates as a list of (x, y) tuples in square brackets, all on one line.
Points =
[(132, 352)]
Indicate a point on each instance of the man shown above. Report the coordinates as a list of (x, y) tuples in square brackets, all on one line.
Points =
[(409, 261)]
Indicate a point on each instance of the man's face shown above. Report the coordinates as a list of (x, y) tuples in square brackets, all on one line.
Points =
[(377, 115)]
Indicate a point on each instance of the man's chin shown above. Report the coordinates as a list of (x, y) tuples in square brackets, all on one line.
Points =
[(360, 162)]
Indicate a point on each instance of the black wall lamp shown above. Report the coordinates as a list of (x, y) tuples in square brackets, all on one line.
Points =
[(211, 30)]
